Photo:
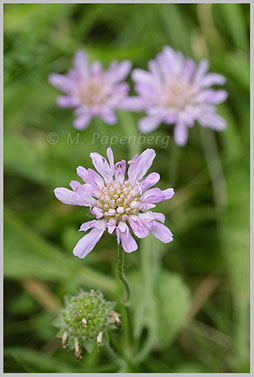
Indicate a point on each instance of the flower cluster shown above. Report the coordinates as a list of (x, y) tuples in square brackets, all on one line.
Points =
[(117, 202), (92, 91), (176, 91), (85, 321)]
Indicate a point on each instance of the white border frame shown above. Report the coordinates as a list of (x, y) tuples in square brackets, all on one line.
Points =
[(2, 2)]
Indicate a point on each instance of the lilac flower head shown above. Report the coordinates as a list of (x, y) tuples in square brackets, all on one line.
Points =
[(177, 91), (92, 91), (118, 203)]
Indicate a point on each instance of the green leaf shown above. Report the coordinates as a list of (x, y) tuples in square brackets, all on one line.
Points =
[(27, 255), (39, 360), (235, 237), (172, 301), (234, 19)]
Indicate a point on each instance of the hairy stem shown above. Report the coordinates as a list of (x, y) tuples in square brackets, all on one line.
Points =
[(121, 276)]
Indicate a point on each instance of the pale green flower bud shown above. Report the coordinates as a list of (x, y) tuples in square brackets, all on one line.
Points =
[(85, 321)]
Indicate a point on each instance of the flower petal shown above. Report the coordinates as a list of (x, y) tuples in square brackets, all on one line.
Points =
[(110, 156), (61, 82), (75, 185), (69, 197), (83, 174), (168, 193), (140, 164), (120, 168), (88, 225), (87, 243), (123, 234), (139, 229), (201, 70), (150, 216), (119, 71), (95, 178), (181, 133), (213, 120), (153, 195), (98, 212), (161, 232), (212, 96), (142, 76), (134, 103), (67, 101), (111, 225), (147, 206), (82, 121), (80, 62), (212, 79), (109, 116), (188, 69), (149, 123), (149, 181), (102, 166)]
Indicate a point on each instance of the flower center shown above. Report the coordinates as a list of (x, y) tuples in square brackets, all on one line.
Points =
[(93, 92), (177, 95), (119, 200)]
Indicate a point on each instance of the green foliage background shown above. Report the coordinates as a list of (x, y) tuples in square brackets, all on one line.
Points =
[(190, 306)]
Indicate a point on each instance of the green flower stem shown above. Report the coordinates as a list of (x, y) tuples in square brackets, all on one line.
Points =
[(121, 276), (118, 351), (126, 295)]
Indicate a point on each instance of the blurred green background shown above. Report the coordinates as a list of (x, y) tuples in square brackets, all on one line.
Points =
[(190, 307)]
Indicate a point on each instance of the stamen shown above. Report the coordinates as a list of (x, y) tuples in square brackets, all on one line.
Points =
[(118, 200)]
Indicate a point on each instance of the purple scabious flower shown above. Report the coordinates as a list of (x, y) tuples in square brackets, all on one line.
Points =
[(92, 91), (118, 203), (177, 91)]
